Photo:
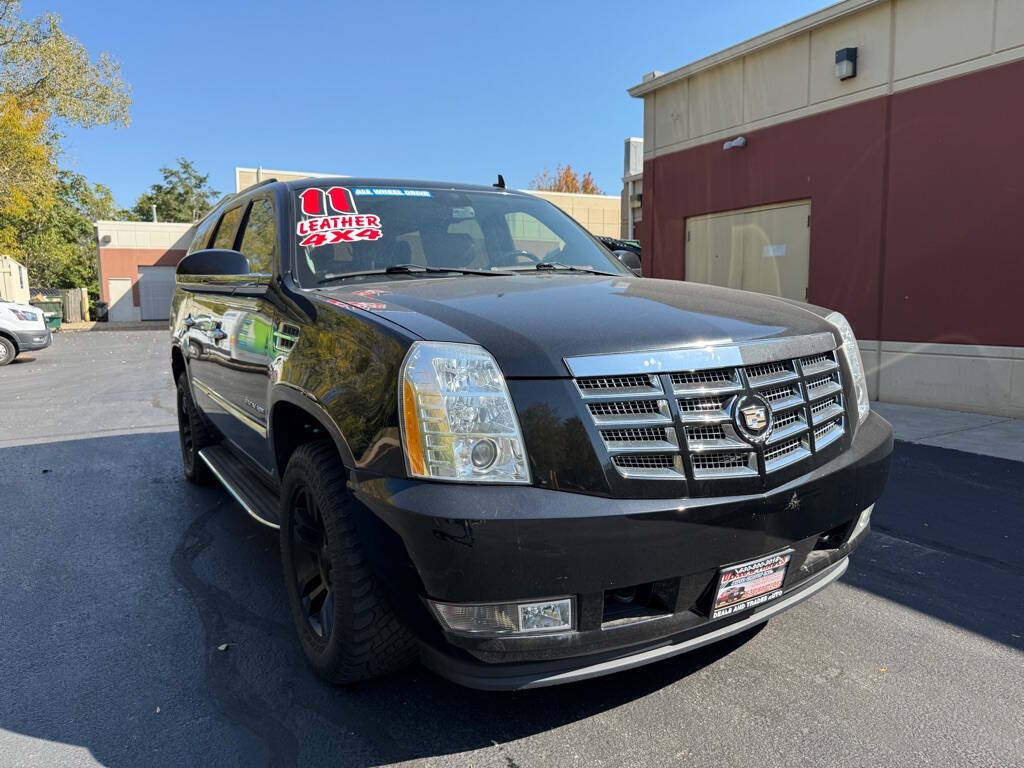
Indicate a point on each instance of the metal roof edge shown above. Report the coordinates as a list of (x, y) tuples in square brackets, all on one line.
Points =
[(793, 28)]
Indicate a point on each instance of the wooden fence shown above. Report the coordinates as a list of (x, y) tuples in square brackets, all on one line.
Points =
[(74, 302)]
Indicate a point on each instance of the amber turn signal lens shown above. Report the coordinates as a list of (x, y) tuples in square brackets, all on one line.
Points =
[(412, 430)]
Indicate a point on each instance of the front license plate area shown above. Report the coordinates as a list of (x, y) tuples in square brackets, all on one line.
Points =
[(750, 584)]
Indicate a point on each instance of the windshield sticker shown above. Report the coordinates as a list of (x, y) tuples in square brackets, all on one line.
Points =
[(464, 212), (391, 192), (324, 229)]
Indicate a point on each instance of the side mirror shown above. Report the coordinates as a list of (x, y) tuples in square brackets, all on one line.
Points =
[(630, 260), (211, 263)]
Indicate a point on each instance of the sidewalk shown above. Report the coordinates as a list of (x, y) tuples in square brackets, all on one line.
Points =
[(145, 325), (972, 432)]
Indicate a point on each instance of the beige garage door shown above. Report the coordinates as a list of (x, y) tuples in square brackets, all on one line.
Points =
[(764, 249), (119, 290)]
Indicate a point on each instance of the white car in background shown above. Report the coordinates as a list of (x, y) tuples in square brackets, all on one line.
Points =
[(22, 329)]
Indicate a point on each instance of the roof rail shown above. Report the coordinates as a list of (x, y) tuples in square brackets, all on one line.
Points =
[(258, 184)]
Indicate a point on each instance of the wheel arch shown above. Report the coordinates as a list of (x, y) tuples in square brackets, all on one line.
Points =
[(178, 366), (294, 419), (10, 337)]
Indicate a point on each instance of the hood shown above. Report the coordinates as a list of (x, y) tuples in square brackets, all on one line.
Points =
[(531, 322), (20, 307)]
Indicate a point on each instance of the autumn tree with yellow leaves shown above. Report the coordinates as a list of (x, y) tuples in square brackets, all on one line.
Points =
[(565, 179), (48, 81)]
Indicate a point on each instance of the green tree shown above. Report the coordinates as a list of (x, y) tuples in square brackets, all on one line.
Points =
[(57, 243), (49, 72), (185, 195), (47, 80)]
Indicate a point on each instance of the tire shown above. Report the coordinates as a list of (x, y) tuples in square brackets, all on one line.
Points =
[(7, 351), (347, 628), (194, 433)]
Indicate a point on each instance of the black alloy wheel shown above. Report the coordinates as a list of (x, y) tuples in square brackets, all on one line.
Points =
[(188, 444), (345, 621), (311, 564), (195, 433)]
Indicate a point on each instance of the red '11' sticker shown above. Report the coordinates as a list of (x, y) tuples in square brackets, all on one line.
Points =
[(324, 229)]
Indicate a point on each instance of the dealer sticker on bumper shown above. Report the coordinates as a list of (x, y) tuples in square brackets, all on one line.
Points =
[(749, 584)]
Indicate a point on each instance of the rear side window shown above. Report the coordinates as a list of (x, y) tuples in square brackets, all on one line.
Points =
[(227, 228), (259, 241)]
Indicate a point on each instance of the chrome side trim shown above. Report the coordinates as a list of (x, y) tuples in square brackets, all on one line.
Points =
[(715, 354), (235, 494), (238, 413)]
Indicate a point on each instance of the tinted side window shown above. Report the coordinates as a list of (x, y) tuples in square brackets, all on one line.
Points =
[(259, 241), (228, 228), (202, 236)]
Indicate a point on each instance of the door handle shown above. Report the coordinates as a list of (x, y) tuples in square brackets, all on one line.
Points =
[(189, 321), (217, 334)]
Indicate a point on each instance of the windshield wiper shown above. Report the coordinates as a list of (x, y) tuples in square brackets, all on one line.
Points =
[(407, 269), (557, 266)]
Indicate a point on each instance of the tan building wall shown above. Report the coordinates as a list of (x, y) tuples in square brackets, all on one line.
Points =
[(788, 74), (599, 214), (246, 177), (13, 281)]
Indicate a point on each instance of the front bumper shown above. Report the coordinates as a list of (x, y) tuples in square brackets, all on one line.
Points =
[(544, 674), (479, 544), (29, 341)]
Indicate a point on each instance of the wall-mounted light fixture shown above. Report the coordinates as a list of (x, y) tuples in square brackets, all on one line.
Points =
[(846, 63), (738, 143), (105, 240)]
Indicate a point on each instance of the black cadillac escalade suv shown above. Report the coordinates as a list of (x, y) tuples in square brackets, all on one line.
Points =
[(490, 446)]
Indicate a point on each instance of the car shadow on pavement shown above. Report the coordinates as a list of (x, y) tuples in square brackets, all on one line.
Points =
[(146, 620), (946, 541)]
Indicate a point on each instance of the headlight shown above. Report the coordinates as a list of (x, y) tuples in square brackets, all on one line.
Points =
[(853, 361), (29, 317), (458, 422)]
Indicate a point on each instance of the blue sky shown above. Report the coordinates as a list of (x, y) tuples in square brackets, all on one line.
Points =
[(441, 90)]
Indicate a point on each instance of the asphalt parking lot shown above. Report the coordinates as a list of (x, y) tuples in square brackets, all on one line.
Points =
[(119, 582)]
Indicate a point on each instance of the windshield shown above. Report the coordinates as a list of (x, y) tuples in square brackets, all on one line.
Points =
[(347, 230)]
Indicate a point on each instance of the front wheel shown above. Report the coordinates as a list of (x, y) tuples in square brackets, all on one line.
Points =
[(347, 628), (7, 351)]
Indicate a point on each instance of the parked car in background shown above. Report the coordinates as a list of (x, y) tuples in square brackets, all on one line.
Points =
[(22, 329), (490, 446), (626, 251)]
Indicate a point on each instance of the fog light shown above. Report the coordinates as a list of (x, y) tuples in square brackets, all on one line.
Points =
[(506, 618), (862, 523), (539, 617)]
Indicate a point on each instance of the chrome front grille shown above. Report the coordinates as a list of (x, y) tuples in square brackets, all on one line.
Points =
[(684, 424), (599, 386), (656, 466)]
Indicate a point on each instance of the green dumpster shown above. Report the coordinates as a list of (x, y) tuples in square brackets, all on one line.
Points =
[(52, 309)]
